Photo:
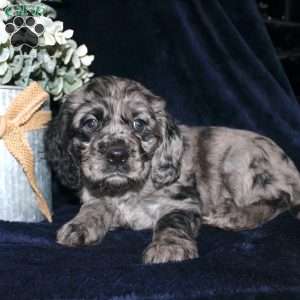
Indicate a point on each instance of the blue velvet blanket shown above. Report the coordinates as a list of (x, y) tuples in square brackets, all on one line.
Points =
[(214, 63), (262, 263)]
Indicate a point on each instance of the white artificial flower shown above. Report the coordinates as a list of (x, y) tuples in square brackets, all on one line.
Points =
[(4, 36)]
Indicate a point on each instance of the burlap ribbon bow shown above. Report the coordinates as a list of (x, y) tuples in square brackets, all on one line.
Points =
[(23, 115)]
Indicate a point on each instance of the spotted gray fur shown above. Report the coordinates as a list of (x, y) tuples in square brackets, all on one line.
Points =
[(165, 177)]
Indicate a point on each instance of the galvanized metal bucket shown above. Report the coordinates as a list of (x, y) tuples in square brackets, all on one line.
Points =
[(17, 200)]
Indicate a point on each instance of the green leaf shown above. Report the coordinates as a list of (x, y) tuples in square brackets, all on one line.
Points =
[(17, 64), (69, 88), (48, 63), (56, 86), (3, 68), (49, 39), (87, 60), (68, 33), (4, 54), (82, 50), (36, 66), (58, 97), (33, 53), (70, 75), (50, 66), (57, 62), (72, 44), (76, 61), (7, 77), (60, 38), (61, 71), (68, 56), (11, 52)]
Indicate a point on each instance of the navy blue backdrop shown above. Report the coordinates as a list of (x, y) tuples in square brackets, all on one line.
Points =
[(214, 63)]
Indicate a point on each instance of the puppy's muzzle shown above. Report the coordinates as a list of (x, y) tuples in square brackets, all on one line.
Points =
[(117, 155)]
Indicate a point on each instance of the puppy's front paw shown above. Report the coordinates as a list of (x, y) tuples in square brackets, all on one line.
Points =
[(162, 251), (74, 234)]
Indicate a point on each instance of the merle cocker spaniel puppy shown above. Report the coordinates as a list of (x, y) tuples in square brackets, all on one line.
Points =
[(114, 143)]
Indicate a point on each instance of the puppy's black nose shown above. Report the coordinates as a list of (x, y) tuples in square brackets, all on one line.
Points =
[(117, 155)]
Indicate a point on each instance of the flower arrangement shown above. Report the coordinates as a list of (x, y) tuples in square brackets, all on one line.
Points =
[(57, 62)]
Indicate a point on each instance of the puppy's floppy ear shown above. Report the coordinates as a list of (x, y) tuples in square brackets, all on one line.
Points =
[(60, 150), (166, 161)]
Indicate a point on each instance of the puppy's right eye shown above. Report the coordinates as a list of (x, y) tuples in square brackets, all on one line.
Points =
[(90, 124), (138, 125)]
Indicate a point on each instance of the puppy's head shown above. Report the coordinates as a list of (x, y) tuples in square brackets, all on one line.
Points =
[(113, 133)]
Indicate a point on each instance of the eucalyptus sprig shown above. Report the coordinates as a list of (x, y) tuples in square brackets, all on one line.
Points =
[(57, 63)]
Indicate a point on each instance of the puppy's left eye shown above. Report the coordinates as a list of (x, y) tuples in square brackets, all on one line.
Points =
[(90, 123), (138, 125)]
